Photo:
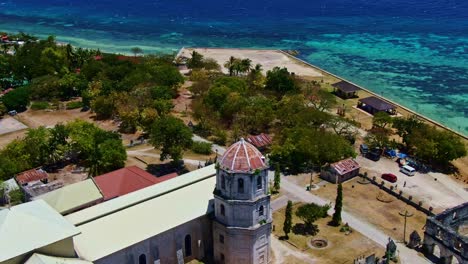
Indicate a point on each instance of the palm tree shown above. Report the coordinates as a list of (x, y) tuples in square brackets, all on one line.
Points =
[(245, 65), (230, 65)]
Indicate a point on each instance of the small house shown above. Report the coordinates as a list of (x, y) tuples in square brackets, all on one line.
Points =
[(345, 90), (340, 171), (374, 105), (261, 141), (30, 176)]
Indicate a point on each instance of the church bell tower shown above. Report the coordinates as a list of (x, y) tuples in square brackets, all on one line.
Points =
[(242, 225)]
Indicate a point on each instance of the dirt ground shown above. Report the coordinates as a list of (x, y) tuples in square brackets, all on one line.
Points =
[(361, 200), (267, 58), (341, 248), (47, 118)]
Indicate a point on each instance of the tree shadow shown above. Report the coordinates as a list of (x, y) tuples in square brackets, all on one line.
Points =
[(302, 229), (167, 168)]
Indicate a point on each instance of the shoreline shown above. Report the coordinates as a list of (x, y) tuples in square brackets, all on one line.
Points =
[(427, 119), (316, 68)]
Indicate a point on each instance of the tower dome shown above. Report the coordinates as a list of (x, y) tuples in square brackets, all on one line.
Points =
[(242, 157)]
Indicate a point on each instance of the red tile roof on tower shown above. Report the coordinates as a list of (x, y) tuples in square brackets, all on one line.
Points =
[(345, 166), (31, 175), (260, 141), (242, 157), (127, 180)]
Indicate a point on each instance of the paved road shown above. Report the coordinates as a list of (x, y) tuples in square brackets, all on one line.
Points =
[(295, 192), (215, 147)]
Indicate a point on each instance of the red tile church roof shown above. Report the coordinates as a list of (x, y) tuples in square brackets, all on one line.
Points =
[(242, 157), (127, 180)]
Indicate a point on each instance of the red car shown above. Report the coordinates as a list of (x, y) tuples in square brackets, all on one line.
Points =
[(389, 177)]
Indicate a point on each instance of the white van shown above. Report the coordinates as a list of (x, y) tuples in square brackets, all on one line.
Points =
[(408, 170)]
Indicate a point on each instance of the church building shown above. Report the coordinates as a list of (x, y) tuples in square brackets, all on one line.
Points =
[(220, 212)]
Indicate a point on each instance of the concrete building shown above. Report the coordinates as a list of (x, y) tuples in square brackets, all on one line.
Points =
[(445, 235), (340, 171), (174, 221)]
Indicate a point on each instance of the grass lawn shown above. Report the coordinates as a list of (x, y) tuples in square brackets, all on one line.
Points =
[(341, 248)]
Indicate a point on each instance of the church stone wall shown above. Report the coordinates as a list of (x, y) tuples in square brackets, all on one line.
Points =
[(231, 188), (242, 245), (242, 213), (164, 246), (441, 231)]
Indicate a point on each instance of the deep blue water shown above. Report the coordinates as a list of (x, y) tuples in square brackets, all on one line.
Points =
[(414, 52)]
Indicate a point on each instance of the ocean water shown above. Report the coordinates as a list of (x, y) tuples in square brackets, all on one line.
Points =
[(414, 52)]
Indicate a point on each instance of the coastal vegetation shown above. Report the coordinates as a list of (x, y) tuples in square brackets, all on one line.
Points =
[(246, 102), (136, 92), (77, 142)]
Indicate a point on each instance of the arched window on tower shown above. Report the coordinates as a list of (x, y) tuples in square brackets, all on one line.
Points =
[(188, 245), (259, 182), (142, 259), (260, 211), (223, 211), (223, 182), (240, 185)]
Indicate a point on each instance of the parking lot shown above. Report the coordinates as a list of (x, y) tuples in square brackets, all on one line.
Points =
[(434, 189)]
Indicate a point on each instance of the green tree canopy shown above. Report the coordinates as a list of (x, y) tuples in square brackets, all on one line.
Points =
[(171, 136), (281, 81), (301, 149), (18, 99), (309, 213)]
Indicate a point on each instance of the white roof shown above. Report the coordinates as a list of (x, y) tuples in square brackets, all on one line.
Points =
[(29, 226), (72, 196), (43, 259), (121, 229), (10, 185), (144, 194)]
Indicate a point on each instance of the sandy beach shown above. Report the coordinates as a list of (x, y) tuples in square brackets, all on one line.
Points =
[(267, 58)]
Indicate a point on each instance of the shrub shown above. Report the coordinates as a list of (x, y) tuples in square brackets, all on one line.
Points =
[(74, 105), (201, 147), (39, 105)]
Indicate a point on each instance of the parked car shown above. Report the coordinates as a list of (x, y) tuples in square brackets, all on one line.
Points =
[(374, 154), (408, 170), (363, 148), (389, 177), (12, 112)]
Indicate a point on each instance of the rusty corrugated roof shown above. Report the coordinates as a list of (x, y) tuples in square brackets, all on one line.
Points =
[(31, 175), (260, 141), (345, 166)]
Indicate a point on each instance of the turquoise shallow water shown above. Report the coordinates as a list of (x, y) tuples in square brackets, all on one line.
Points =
[(413, 52)]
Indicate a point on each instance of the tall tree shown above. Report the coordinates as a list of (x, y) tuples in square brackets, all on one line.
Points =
[(172, 136), (381, 119), (281, 81), (288, 219), (230, 65), (196, 61), (309, 213), (277, 180), (336, 219), (136, 51)]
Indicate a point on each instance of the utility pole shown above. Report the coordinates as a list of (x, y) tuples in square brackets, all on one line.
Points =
[(406, 214)]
